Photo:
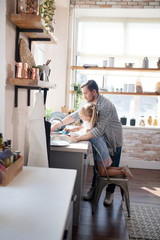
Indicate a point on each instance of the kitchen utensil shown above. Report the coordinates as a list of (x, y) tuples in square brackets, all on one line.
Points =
[(25, 70), (25, 54), (19, 73), (48, 62), (59, 143), (46, 72)]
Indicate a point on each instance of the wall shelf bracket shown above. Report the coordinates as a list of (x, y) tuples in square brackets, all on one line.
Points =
[(28, 94)]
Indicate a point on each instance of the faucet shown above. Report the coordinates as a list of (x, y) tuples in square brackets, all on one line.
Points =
[(56, 118)]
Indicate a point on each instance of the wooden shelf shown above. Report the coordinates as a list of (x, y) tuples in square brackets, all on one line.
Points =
[(33, 22), (128, 93), (116, 69), (31, 83)]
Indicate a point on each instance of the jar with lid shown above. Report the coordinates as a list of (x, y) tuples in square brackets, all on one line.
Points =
[(142, 121), (32, 7), (21, 7), (155, 121), (149, 120)]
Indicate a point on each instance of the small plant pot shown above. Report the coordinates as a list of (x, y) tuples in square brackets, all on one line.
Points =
[(75, 88)]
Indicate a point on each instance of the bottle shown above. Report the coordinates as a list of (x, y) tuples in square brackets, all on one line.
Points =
[(145, 63), (1, 143), (9, 147)]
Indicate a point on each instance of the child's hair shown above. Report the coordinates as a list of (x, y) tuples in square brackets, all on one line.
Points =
[(89, 109)]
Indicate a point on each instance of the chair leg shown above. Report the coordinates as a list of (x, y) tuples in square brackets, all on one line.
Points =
[(124, 189), (127, 200), (122, 193), (98, 190)]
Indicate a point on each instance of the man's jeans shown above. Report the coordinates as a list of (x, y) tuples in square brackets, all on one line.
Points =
[(116, 159)]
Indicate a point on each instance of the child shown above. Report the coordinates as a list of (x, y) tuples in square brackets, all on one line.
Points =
[(88, 113)]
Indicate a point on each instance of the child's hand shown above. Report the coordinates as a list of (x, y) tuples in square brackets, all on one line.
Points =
[(67, 130)]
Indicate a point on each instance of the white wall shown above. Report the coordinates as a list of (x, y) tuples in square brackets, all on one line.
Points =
[(58, 55), (3, 63), (14, 122)]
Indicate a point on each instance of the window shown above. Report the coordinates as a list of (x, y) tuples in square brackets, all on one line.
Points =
[(127, 41)]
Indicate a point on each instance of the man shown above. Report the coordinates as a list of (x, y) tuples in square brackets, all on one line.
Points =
[(108, 125)]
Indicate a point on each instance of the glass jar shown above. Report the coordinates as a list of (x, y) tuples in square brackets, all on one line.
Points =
[(21, 6), (32, 7), (142, 121), (149, 120), (155, 122)]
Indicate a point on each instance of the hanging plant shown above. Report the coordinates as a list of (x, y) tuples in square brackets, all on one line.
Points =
[(47, 11), (77, 95)]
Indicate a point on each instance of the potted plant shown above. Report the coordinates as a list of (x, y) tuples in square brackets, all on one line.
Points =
[(77, 95), (47, 11)]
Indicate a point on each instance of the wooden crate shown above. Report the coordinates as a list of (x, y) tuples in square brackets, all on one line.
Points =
[(11, 172)]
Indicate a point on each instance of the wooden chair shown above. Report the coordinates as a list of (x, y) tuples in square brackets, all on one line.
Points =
[(102, 182)]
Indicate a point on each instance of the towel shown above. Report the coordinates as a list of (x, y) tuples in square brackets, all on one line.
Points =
[(37, 140)]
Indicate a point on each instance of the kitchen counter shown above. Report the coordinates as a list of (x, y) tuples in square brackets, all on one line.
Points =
[(73, 156), (33, 205)]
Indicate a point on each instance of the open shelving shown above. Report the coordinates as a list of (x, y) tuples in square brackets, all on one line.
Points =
[(107, 69), (34, 28)]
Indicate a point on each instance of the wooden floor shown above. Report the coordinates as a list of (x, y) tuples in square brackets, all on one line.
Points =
[(109, 223)]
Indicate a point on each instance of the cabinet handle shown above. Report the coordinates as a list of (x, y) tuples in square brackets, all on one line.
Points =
[(74, 198)]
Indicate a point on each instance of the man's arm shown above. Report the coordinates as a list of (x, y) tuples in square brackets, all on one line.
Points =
[(65, 121)]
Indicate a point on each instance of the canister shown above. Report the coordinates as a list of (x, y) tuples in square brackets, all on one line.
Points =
[(132, 122), (123, 120)]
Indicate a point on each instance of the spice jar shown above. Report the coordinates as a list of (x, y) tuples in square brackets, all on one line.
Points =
[(149, 120), (155, 121), (142, 121)]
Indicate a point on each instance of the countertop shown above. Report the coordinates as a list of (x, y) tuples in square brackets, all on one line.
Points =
[(73, 147), (33, 206)]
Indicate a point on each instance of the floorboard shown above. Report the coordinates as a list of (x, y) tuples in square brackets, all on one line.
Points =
[(109, 223)]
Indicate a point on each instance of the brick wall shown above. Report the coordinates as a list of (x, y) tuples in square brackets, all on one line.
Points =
[(141, 144), (116, 3)]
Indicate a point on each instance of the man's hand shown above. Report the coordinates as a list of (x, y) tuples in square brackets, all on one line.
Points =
[(73, 138), (55, 126)]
